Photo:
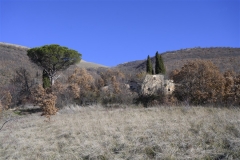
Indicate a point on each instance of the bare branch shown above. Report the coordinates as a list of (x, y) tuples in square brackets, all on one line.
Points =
[(8, 121)]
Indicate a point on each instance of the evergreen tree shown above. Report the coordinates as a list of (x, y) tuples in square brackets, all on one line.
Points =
[(157, 63), (162, 67), (149, 65), (46, 80), (152, 72), (53, 58)]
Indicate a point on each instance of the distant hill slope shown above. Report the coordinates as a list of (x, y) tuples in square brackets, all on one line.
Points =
[(14, 56), (85, 64), (224, 57)]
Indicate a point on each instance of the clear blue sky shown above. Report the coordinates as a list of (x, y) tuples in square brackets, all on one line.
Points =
[(111, 32)]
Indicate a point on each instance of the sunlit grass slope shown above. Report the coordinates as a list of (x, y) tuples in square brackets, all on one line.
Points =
[(130, 133)]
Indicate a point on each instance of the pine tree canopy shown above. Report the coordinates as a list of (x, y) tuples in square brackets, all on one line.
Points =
[(53, 58)]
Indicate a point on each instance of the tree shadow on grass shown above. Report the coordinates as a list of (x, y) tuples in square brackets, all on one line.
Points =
[(28, 111), (147, 100)]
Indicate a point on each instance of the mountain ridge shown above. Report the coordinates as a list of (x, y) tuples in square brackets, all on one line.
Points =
[(226, 58)]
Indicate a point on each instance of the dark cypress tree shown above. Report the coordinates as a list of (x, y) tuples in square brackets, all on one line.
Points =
[(162, 67), (152, 72), (157, 64), (149, 65)]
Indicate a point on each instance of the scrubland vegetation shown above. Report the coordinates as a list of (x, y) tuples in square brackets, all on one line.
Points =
[(198, 82), (95, 132), (101, 113)]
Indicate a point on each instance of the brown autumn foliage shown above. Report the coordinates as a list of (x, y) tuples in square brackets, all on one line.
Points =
[(75, 89), (99, 83), (229, 87), (82, 86), (58, 88), (115, 85), (81, 78), (116, 89), (107, 76), (45, 99), (199, 82), (232, 88), (61, 91)]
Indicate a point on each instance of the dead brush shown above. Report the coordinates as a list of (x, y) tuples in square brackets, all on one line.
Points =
[(46, 100)]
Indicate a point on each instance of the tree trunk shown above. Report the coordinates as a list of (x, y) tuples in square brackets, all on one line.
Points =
[(46, 79)]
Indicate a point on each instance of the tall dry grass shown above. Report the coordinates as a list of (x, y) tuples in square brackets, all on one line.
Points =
[(131, 133)]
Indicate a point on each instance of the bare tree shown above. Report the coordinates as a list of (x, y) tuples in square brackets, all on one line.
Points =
[(22, 83)]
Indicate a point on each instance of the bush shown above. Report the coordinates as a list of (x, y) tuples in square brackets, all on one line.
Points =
[(232, 89), (199, 82), (65, 94), (45, 99), (83, 87), (147, 100), (21, 85)]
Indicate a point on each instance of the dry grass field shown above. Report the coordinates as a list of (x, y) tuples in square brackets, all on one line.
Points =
[(125, 133)]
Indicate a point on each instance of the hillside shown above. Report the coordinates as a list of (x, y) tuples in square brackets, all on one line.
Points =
[(85, 64), (225, 58), (14, 56)]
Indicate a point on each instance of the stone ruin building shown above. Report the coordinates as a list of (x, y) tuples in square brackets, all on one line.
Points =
[(154, 84)]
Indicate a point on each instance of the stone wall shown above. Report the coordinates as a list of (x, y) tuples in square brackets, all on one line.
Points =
[(154, 84), (169, 87)]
